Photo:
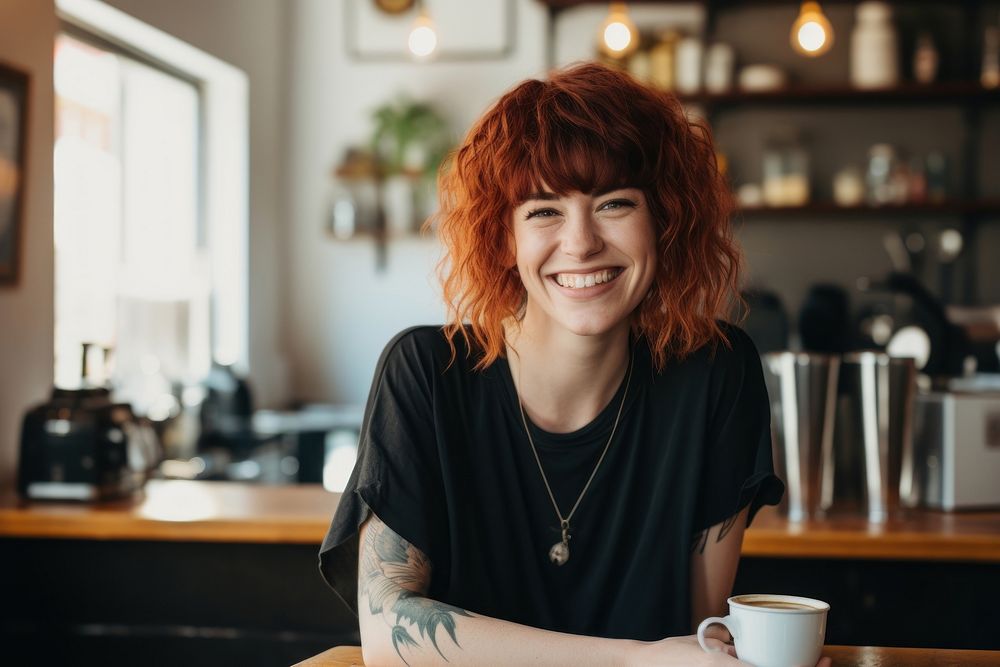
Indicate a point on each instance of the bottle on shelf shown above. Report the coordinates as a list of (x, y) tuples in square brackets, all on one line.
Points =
[(925, 59), (786, 173), (874, 48), (990, 76)]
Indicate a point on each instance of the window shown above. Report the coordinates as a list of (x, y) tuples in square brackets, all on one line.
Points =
[(150, 208)]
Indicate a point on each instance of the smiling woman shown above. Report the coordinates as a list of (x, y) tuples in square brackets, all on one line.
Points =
[(563, 473)]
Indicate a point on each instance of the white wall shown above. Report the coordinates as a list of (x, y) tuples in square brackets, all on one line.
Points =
[(341, 311), (27, 28), (250, 34)]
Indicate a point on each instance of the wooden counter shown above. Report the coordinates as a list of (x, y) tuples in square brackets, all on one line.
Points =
[(842, 656), (234, 512), (182, 511), (197, 551), (911, 535)]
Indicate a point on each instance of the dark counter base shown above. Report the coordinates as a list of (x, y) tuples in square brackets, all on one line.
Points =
[(889, 603), (166, 603)]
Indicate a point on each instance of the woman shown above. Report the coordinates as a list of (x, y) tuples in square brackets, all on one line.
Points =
[(566, 478)]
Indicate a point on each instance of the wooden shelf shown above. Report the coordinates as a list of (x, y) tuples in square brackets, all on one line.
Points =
[(715, 4), (948, 208), (953, 92)]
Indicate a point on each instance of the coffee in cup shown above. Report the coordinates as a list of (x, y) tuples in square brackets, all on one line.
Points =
[(773, 630)]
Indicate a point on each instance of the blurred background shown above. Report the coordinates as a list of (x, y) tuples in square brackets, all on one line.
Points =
[(210, 211)]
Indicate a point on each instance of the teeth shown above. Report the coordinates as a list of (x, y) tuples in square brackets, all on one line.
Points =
[(576, 281)]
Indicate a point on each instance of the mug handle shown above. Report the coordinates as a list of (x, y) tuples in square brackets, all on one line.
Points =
[(729, 622)]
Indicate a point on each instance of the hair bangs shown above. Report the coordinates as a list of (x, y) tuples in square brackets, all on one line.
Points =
[(559, 157)]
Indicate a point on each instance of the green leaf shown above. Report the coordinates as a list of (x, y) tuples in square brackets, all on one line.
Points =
[(401, 636), (427, 615)]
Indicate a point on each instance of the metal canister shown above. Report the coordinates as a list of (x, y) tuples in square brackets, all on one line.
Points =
[(803, 392)]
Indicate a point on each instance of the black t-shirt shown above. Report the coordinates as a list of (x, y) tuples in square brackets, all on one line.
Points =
[(444, 462)]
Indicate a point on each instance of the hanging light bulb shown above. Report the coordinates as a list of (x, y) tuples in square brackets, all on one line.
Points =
[(618, 36), (812, 34), (423, 38)]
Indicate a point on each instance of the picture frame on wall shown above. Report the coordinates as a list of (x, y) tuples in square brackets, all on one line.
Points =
[(377, 30), (13, 140)]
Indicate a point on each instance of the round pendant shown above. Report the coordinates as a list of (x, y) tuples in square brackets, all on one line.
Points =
[(559, 553)]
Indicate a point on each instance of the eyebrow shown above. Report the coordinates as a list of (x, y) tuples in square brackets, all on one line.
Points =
[(551, 196)]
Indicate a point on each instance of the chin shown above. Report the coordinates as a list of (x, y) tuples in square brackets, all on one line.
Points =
[(591, 326)]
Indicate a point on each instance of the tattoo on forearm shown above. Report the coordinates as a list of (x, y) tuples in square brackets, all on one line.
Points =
[(392, 574), (701, 538)]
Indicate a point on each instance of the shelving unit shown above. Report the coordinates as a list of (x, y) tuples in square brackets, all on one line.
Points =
[(959, 90), (953, 92), (828, 209)]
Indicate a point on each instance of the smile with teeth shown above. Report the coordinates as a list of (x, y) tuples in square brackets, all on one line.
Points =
[(578, 280)]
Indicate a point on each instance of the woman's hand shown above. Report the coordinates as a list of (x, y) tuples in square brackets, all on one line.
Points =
[(687, 652)]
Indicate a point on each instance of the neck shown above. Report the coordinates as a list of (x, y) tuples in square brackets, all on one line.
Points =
[(564, 380)]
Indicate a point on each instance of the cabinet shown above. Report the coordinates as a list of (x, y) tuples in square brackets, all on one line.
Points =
[(790, 248)]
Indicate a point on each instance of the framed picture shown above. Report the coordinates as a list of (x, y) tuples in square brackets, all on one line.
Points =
[(13, 137), (480, 30)]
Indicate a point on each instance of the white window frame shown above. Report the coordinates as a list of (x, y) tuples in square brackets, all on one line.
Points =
[(225, 160)]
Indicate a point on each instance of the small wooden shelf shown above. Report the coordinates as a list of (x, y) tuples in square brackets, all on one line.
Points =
[(984, 207)]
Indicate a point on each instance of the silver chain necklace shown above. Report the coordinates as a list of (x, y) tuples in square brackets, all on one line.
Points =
[(559, 553)]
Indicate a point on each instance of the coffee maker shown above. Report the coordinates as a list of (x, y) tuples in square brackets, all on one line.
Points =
[(81, 445)]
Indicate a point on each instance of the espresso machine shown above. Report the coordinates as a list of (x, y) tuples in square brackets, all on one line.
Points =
[(82, 445)]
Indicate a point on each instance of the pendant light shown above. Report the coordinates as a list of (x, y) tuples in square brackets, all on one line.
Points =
[(812, 34), (618, 36), (423, 37)]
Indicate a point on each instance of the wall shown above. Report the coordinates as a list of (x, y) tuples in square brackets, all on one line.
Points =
[(27, 28), (341, 311), (250, 34)]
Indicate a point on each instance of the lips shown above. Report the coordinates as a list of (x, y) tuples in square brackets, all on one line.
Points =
[(578, 280), (592, 283)]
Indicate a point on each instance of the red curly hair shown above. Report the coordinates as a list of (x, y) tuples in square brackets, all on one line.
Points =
[(587, 128)]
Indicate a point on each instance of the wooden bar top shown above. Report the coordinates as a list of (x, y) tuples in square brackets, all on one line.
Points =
[(239, 512), (842, 656), (908, 535), (182, 511)]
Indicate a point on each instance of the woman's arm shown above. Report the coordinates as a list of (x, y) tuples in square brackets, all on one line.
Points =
[(399, 624), (715, 556)]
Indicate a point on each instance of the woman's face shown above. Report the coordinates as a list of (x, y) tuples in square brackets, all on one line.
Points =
[(586, 260)]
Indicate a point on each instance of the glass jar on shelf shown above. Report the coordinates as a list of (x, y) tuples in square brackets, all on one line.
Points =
[(879, 178), (786, 174)]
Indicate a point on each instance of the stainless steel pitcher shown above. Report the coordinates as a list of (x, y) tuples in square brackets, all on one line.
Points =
[(803, 393), (875, 425)]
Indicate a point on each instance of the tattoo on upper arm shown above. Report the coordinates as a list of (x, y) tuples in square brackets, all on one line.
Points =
[(701, 538), (394, 575), (727, 526)]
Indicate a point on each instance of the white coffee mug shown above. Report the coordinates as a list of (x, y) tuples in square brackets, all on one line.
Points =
[(773, 630)]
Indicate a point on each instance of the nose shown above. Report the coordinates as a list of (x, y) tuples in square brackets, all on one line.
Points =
[(581, 237)]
